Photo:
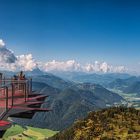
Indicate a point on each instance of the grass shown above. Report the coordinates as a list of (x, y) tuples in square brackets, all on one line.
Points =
[(14, 130), (28, 133), (45, 132)]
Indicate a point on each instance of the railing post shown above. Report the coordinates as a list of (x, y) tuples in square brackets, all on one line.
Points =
[(31, 86), (4, 80), (25, 91), (13, 90), (1, 78), (6, 98), (28, 88)]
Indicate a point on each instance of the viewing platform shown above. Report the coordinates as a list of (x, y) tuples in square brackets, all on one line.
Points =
[(18, 100)]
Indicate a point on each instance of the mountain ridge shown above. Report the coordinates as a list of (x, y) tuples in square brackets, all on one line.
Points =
[(68, 101)]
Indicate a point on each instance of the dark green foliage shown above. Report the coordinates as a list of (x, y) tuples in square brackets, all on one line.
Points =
[(115, 123)]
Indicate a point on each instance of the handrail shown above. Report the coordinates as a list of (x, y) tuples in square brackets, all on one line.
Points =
[(6, 105), (25, 85), (10, 87)]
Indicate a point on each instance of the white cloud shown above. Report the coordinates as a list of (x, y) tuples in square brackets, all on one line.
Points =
[(8, 66), (8, 61), (97, 67), (103, 67), (72, 65), (26, 62), (22, 62), (6, 56), (2, 44), (120, 68)]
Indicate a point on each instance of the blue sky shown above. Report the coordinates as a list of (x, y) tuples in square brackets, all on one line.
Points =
[(84, 30)]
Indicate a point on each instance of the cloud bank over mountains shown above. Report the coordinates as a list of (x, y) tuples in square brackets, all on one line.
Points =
[(72, 65), (10, 62)]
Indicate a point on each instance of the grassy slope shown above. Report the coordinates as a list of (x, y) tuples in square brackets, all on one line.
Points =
[(28, 133)]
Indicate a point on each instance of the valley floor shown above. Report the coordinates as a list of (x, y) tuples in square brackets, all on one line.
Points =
[(132, 99)]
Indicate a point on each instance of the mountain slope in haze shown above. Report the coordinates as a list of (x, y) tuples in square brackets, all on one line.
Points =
[(34, 72), (102, 79), (43, 88), (117, 123), (133, 88), (52, 80), (42, 77), (122, 83), (68, 101), (130, 85), (101, 92), (75, 102)]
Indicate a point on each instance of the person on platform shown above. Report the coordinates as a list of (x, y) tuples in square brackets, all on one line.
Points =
[(21, 76)]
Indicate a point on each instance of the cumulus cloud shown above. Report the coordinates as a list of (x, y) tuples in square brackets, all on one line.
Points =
[(26, 62), (2, 44), (103, 67), (22, 62), (8, 61), (8, 66), (6, 56), (97, 67), (72, 65)]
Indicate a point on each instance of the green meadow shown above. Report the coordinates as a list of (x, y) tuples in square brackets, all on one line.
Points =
[(17, 132)]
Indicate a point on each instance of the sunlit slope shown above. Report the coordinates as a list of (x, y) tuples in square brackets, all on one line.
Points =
[(116, 123), (28, 133)]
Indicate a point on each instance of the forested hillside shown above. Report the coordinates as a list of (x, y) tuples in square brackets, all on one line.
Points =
[(117, 123)]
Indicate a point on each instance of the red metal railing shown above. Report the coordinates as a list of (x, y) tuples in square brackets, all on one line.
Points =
[(3, 100), (13, 92)]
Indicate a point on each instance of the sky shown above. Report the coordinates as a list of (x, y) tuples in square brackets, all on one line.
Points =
[(81, 30)]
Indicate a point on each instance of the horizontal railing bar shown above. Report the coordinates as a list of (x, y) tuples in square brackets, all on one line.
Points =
[(3, 80)]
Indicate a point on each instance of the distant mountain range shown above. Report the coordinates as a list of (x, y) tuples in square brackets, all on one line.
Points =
[(133, 88), (129, 85), (75, 95), (75, 102), (69, 101), (98, 78)]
